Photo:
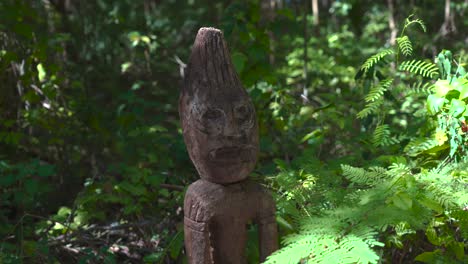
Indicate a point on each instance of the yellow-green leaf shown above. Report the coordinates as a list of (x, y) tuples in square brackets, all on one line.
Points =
[(442, 87), (41, 73)]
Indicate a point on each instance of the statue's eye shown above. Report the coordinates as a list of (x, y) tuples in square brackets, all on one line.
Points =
[(242, 112), (212, 114)]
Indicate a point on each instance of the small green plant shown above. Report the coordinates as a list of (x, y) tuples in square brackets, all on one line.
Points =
[(448, 104)]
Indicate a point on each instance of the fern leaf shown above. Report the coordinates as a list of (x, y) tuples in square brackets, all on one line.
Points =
[(376, 92), (398, 169), (415, 21), (443, 197), (374, 59), (404, 44), (418, 145), (370, 108), (421, 88), (295, 252), (374, 98), (424, 68), (362, 176), (322, 240), (382, 136)]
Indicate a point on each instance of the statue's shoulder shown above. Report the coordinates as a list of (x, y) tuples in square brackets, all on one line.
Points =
[(255, 188), (203, 188), (262, 196), (200, 200)]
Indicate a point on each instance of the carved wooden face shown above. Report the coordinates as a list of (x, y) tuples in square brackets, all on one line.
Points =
[(218, 118)]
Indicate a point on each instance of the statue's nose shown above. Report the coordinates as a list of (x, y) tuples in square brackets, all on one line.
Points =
[(232, 130)]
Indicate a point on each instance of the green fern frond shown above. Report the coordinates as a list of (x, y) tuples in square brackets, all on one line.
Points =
[(374, 98), (299, 249), (322, 241), (398, 169), (421, 88), (424, 68), (417, 21), (418, 145), (443, 197), (363, 177), (374, 59), (376, 92), (382, 136), (405, 46), (356, 175), (370, 108), (379, 170)]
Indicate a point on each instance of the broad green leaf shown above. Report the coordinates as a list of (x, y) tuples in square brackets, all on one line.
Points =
[(458, 248), (435, 103), (441, 87), (462, 86), (431, 235), (176, 245), (460, 70), (427, 257), (457, 107)]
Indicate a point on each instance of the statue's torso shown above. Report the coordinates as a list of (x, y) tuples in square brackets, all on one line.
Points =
[(227, 210)]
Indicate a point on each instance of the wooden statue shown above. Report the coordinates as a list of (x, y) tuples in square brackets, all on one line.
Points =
[(221, 134)]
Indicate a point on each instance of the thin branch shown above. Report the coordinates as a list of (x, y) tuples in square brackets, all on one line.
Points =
[(172, 187)]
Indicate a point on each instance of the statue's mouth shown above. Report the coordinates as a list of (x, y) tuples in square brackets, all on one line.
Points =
[(232, 154)]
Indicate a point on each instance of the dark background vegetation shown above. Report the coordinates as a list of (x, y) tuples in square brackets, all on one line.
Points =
[(93, 166)]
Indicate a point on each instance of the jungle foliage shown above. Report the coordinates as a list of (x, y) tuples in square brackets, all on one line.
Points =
[(362, 108)]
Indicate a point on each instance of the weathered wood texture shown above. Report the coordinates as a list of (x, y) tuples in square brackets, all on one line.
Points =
[(221, 134)]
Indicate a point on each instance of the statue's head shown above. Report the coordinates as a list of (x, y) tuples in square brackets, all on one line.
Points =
[(218, 118)]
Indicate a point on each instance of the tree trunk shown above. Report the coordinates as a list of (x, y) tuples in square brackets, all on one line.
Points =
[(391, 23)]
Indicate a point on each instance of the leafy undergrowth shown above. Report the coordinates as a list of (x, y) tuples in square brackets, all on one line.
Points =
[(409, 200)]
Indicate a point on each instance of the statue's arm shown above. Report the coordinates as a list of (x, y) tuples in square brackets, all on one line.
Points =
[(197, 242), (267, 228), (196, 231)]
